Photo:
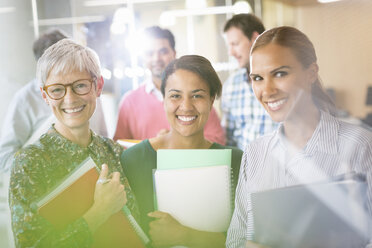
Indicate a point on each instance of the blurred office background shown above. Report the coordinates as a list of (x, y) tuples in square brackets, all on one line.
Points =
[(340, 31)]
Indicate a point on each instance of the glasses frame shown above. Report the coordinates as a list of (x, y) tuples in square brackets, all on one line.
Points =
[(91, 80)]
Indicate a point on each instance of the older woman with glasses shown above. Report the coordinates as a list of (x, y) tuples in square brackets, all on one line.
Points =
[(71, 82)]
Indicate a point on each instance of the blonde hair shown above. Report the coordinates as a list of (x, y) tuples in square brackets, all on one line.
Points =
[(67, 56)]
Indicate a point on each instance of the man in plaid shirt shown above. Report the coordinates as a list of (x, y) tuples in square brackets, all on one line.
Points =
[(244, 118)]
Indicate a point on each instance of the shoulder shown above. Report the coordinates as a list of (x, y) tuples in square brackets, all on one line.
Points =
[(347, 132), (133, 94), (25, 94), (31, 159), (236, 78), (108, 144), (355, 133), (142, 150), (255, 151)]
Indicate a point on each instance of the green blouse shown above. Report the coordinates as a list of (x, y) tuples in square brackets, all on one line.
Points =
[(138, 163), (40, 167)]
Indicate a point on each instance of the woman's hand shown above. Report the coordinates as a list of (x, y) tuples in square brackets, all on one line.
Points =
[(109, 195), (166, 231), (109, 198)]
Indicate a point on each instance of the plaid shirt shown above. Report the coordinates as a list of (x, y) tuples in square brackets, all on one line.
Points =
[(244, 118)]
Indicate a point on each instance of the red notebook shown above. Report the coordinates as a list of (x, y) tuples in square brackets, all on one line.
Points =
[(74, 196)]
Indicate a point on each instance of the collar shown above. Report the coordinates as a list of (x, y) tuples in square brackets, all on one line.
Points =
[(324, 138), (54, 138), (151, 89)]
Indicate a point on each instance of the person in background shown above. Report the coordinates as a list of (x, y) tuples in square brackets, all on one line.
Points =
[(141, 112), (189, 86), (243, 118), (28, 116), (72, 81), (310, 145)]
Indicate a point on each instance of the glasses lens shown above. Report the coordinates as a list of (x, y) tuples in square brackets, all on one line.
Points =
[(56, 91), (82, 87)]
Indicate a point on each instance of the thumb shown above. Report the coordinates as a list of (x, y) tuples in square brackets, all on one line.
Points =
[(157, 214), (104, 172)]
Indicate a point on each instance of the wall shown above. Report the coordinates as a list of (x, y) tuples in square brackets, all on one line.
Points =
[(340, 32), (17, 63)]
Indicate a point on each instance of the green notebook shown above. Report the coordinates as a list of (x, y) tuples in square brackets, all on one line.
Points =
[(192, 158)]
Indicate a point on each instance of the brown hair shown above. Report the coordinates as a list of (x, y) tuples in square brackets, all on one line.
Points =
[(247, 23), (304, 51), (198, 65), (157, 32), (46, 40)]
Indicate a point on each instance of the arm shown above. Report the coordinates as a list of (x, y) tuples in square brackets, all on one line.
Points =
[(241, 225), (227, 121), (16, 130), (166, 231), (213, 130), (30, 229), (109, 198), (364, 166)]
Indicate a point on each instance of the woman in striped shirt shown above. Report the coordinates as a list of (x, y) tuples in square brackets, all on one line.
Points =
[(310, 145)]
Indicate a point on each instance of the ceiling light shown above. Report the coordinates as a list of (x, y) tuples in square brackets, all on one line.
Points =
[(4, 10), (241, 7), (167, 18), (94, 3)]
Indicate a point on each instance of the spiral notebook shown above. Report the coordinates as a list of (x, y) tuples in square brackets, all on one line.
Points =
[(194, 186)]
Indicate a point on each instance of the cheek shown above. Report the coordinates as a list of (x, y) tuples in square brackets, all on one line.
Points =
[(296, 86), (169, 106), (53, 104), (204, 107), (256, 90)]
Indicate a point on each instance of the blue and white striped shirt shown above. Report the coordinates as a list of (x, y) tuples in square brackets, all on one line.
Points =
[(243, 117), (335, 148)]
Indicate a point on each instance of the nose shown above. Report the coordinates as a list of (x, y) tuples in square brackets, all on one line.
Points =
[(155, 56), (268, 88), (70, 95), (231, 51), (186, 104)]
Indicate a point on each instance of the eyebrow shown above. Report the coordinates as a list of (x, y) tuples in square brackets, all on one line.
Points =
[(170, 90), (197, 90), (279, 68), (273, 71), (194, 91)]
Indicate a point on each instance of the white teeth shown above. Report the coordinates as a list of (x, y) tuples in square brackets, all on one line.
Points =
[(276, 105), (74, 110), (186, 118)]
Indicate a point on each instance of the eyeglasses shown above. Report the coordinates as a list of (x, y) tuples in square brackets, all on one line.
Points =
[(79, 87)]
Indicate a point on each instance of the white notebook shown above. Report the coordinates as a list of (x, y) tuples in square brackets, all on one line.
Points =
[(199, 198)]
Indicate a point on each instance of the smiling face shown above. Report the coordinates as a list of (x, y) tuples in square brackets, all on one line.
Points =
[(239, 45), (187, 103), (280, 82), (72, 111), (157, 55)]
